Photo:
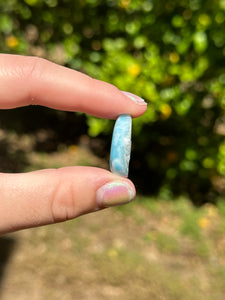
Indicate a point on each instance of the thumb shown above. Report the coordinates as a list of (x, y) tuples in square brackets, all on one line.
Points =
[(48, 196)]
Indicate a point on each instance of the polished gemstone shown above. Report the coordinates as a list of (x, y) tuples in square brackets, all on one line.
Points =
[(121, 146)]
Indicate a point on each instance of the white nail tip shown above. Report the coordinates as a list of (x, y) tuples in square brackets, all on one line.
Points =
[(135, 98)]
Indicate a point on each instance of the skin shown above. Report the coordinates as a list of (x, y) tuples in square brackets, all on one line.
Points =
[(54, 195)]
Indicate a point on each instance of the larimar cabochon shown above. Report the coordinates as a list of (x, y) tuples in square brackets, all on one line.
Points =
[(121, 146)]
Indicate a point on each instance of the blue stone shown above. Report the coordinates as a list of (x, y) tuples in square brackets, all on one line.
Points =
[(121, 146)]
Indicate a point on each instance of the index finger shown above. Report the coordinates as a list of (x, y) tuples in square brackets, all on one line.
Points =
[(28, 80)]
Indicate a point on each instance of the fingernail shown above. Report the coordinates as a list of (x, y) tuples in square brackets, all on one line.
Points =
[(114, 193), (135, 98)]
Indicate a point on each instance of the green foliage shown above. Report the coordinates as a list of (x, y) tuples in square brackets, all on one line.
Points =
[(172, 54)]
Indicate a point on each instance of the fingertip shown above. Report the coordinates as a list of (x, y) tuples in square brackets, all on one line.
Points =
[(114, 193), (110, 102), (136, 103)]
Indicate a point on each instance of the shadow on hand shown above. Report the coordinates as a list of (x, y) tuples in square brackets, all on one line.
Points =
[(7, 245)]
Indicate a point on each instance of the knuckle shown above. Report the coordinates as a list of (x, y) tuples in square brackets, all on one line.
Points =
[(34, 67), (22, 67), (63, 200), (34, 72)]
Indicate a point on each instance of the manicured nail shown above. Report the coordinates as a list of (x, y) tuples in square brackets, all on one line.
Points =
[(135, 98), (114, 193)]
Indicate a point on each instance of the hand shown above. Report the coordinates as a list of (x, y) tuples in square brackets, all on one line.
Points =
[(54, 195)]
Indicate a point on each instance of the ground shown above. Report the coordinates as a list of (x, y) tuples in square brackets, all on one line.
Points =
[(145, 250)]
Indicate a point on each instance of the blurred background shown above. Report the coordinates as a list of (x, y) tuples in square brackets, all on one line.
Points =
[(172, 54)]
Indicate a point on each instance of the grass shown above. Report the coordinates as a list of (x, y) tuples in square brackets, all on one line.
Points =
[(149, 249), (111, 255)]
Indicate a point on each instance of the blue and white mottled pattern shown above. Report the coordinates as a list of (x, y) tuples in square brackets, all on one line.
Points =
[(121, 146)]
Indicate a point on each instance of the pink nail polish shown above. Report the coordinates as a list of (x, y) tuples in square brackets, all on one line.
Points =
[(135, 98), (114, 193)]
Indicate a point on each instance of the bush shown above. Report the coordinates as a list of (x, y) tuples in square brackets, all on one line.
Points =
[(170, 53)]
